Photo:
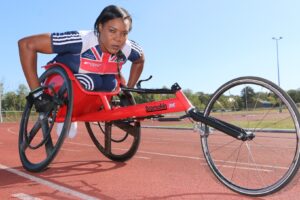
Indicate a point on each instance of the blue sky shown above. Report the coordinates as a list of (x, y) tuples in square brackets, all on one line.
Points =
[(199, 44)]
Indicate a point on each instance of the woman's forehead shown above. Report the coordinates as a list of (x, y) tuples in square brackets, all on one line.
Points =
[(119, 23)]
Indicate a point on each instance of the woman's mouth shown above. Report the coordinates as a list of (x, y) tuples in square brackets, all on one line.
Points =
[(115, 47)]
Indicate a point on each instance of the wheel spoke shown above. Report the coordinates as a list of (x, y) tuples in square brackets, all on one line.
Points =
[(258, 169), (236, 161), (227, 160), (127, 127), (221, 147), (46, 134), (36, 127)]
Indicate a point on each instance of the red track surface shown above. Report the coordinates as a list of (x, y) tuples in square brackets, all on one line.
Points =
[(168, 165)]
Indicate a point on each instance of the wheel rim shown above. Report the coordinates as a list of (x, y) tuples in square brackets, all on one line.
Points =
[(269, 161), (39, 140)]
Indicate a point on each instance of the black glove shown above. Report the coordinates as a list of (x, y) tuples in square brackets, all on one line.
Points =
[(43, 102), (126, 99)]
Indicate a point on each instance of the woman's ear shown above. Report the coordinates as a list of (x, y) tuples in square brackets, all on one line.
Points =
[(100, 27)]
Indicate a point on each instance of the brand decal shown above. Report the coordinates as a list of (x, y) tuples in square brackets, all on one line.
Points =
[(159, 107), (172, 105)]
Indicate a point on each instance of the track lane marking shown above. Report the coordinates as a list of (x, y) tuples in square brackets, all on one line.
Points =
[(12, 132), (49, 184), (142, 157), (23, 196), (72, 150)]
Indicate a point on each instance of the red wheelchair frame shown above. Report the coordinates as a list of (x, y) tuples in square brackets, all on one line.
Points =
[(87, 104)]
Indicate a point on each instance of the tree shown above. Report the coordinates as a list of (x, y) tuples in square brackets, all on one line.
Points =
[(247, 95), (22, 92), (203, 98), (9, 101), (188, 93), (295, 95)]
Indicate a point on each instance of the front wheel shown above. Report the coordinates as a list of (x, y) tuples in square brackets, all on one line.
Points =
[(268, 162)]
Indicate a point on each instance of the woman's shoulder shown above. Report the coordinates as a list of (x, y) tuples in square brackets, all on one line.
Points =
[(86, 32), (89, 39), (131, 46)]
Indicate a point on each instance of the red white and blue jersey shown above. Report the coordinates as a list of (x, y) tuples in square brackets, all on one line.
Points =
[(80, 51)]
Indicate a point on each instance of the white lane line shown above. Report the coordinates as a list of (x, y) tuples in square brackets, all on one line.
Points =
[(80, 144), (49, 184), (12, 132), (171, 155), (156, 142), (23, 196), (247, 168), (142, 157), (73, 150), (250, 165), (172, 140)]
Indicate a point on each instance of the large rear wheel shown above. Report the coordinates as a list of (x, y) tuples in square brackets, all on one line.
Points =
[(39, 142)]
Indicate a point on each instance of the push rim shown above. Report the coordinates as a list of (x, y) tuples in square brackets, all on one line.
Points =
[(38, 141)]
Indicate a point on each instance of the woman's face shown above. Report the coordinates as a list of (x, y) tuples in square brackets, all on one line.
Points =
[(113, 35)]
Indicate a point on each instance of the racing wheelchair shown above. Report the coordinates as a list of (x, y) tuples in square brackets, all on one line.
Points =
[(249, 129)]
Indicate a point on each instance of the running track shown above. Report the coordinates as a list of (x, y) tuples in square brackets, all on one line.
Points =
[(168, 165)]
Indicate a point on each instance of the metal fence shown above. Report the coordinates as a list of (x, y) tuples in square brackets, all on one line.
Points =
[(10, 116)]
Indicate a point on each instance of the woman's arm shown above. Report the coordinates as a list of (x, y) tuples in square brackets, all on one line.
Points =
[(28, 49), (135, 71)]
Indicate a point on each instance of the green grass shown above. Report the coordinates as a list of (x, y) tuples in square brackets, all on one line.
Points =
[(288, 124)]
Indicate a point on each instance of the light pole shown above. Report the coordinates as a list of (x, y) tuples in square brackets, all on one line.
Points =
[(278, 76)]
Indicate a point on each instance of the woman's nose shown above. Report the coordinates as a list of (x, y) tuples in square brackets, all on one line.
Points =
[(118, 37)]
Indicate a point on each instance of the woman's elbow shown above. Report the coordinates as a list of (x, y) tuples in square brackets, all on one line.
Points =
[(25, 44)]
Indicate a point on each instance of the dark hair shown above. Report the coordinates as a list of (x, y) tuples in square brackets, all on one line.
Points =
[(109, 13)]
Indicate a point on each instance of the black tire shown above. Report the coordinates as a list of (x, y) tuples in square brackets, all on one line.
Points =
[(270, 161), (38, 141), (117, 140)]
